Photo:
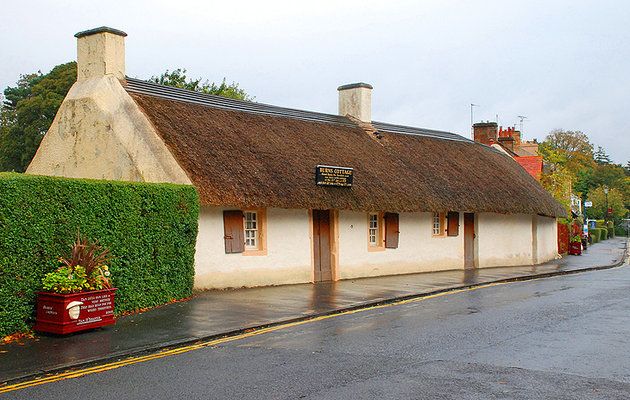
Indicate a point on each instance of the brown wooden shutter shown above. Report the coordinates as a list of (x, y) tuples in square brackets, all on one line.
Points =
[(452, 226), (392, 231), (234, 234)]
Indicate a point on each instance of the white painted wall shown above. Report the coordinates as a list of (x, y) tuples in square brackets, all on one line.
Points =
[(288, 258), (504, 240), (418, 250), (100, 132), (547, 233)]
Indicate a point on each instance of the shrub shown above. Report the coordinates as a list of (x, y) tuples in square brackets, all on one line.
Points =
[(150, 230), (600, 223), (595, 234), (603, 234)]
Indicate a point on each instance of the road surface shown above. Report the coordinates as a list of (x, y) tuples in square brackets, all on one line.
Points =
[(566, 337)]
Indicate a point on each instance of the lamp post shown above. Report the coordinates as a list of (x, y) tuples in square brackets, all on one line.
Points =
[(606, 193)]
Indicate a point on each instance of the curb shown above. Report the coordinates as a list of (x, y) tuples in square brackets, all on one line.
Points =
[(151, 349)]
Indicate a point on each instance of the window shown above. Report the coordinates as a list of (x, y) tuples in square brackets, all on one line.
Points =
[(438, 224), (251, 230), (244, 232), (373, 231)]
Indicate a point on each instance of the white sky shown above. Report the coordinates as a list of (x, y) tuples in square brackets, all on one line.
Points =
[(563, 64)]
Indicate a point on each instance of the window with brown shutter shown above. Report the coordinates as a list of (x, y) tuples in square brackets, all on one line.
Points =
[(392, 231), (233, 231), (452, 228)]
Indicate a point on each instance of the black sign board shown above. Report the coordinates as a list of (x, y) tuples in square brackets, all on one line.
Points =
[(327, 175)]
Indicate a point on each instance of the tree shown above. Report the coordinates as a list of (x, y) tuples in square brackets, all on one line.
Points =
[(601, 157), (557, 182), (571, 149), (610, 175), (177, 78), (27, 112), (615, 201)]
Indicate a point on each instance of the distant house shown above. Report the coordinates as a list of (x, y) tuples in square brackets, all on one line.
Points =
[(291, 196), (510, 142)]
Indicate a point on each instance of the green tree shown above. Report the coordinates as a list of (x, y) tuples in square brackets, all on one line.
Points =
[(177, 78), (615, 201), (557, 181), (601, 157), (610, 175), (571, 149), (27, 112)]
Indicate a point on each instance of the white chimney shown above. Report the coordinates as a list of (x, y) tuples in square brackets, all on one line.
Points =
[(355, 100), (100, 51)]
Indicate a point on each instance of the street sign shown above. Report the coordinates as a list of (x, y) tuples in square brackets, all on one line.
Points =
[(588, 204)]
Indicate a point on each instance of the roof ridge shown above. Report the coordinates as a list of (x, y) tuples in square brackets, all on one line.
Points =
[(139, 86)]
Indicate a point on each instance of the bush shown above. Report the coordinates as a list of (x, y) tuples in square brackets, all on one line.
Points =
[(595, 234), (620, 231), (604, 233), (150, 230), (600, 223)]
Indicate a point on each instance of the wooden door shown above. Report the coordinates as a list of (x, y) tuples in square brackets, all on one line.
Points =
[(469, 240), (321, 245)]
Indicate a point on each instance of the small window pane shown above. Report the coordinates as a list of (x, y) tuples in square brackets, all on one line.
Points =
[(437, 224), (251, 230), (373, 230)]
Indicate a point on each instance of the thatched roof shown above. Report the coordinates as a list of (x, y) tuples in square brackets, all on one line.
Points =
[(265, 156)]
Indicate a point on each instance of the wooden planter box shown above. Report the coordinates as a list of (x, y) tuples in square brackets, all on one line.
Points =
[(575, 248), (66, 313)]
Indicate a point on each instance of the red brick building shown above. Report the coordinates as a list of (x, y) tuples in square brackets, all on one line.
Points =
[(510, 142)]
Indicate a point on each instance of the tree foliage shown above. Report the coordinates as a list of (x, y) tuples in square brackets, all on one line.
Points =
[(615, 202), (28, 111), (572, 166), (571, 149), (177, 78)]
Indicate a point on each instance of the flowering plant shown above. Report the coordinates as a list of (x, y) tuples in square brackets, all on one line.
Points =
[(576, 239), (84, 270)]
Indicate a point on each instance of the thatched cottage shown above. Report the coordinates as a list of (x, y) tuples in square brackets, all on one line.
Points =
[(294, 196)]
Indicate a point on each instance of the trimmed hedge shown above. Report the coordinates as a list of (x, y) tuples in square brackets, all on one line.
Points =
[(603, 234), (150, 229), (595, 234)]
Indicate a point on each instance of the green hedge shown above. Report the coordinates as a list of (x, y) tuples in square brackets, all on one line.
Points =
[(150, 229), (595, 234), (604, 233)]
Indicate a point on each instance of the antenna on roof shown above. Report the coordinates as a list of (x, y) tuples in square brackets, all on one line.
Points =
[(472, 131), (521, 118)]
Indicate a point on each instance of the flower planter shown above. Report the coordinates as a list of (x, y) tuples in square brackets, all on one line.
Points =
[(66, 313), (575, 248)]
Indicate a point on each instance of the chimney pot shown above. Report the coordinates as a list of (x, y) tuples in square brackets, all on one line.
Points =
[(100, 52), (355, 99)]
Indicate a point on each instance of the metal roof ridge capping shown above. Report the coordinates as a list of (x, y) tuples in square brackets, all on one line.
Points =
[(185, 95)]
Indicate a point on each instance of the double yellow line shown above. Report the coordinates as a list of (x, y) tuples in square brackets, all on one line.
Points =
[(196, 346)]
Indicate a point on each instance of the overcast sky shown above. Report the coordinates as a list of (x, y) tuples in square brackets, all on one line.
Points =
[(563, 64)]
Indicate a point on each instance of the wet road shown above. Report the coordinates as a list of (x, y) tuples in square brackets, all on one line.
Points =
[(563, 338)]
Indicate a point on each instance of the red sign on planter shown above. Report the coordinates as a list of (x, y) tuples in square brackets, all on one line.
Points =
[(67, 313)]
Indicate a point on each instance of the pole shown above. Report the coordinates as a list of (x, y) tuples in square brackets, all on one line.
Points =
[(472, 130)]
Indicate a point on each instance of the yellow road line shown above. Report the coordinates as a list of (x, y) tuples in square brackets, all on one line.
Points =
[(196, 346)]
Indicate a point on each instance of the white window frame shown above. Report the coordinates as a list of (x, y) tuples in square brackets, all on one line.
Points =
[(373, 230), (437, 224), (251, 227)]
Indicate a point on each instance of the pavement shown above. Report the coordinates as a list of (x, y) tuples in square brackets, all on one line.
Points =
[(220, 313)]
